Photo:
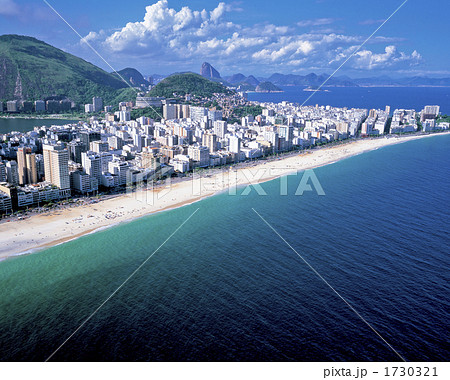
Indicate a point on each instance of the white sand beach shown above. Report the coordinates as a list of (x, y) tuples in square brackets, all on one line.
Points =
[(44, 230)]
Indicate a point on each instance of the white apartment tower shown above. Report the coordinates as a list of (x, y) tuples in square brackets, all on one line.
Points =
[(56, 165), (92, 164), (234, 144), (200, 154), (170, 111), (220, 128), (210, 141), (197, 114)]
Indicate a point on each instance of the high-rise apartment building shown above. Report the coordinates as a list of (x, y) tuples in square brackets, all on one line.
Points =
[(170, 111), (12, 173), (87, 137), (39, 106), (115, 142), (234, 144), (12, 106), (3, 177), (199, 154), (32, 172), (430, 112), (124, 116), (88, 108), (214, 115), (119, 169), (209, 140), (97, 104), (40, 166), (185, 111), (92, 164), (75, 149), (197, 114), (56, 165), (99, 146), (22, 165), (26, 165), (220, 128)]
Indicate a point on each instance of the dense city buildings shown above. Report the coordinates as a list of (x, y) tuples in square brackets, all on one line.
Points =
[(109, 152)]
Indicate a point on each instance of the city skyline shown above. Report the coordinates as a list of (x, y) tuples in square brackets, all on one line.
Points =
[(252, 37)]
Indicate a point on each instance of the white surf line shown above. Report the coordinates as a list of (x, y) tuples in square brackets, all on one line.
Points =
[(331, 287), (121, 286)]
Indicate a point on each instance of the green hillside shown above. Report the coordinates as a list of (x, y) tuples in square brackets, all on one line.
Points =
[(132, 76), (187, 83), (31, 69)]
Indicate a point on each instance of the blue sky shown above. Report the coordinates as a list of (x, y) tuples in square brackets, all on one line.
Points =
[(251, 37)]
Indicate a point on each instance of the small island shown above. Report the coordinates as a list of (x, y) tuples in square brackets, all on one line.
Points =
[(267, 87)]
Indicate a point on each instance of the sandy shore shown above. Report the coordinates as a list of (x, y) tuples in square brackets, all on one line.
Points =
[(44, 230)]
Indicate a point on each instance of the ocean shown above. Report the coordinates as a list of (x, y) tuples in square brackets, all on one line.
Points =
[(364, 97), (225, 287)]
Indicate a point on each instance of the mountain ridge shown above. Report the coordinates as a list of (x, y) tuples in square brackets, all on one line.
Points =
[(31, 69), (187, 83), (132, 76)]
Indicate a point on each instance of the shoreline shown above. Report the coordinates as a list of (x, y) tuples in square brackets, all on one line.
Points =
[(42, 231), (47, 117)]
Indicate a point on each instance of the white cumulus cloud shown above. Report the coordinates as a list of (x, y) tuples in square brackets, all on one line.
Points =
[(184, 36), (366, 59)]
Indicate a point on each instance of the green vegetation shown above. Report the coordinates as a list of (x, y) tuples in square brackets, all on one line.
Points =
[(31, 69), (123, 95), (153, 113), (419, 124), (188, 83), (246, 87), (212, 104), (443, 119), (240, 112), (132, 76)]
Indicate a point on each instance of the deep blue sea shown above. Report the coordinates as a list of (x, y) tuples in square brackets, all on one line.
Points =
[(364, 97), (225, 287)]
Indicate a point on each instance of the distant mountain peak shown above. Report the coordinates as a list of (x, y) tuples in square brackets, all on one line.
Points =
[(132, 76), (236, 78), (252, 80), (207, 71)]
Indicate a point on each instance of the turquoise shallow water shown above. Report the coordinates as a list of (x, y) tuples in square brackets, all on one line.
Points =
[(225, 287)]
